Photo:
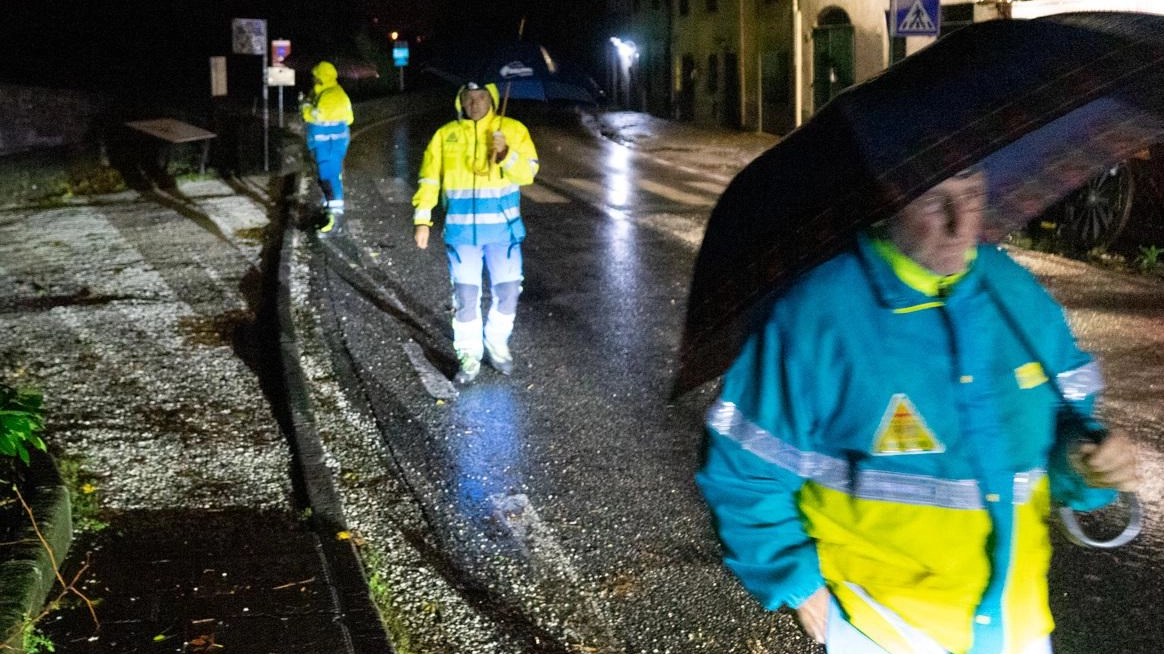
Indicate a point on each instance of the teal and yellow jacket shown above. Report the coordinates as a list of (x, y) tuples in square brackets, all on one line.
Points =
[(328, 113), (481, 199), (887, 434)]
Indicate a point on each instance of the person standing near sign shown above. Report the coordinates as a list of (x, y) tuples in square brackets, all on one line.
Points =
[(474, 166), (886, 446), (328, 115)]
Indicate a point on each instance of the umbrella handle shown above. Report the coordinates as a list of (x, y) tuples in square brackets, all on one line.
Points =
[(1070, 524), (505, 98), (1076, 535)]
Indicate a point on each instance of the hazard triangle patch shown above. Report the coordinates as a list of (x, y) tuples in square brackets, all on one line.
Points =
[(904, 431)]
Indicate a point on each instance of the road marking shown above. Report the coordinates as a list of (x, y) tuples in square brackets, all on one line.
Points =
[(676, 226), (437, 385), (675, 194), (655, 188), (542, 195), (587, 185), (552, 564), (711, 187)]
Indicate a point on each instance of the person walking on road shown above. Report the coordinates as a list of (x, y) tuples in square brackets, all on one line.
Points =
[(473, 167), (328, 116), (885, 448)]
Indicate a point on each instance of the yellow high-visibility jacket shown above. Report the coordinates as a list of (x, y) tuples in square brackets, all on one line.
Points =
[(329, 105), (481, 199)]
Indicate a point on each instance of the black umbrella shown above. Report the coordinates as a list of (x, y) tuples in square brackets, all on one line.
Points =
[(525, 69), (1043, 105)]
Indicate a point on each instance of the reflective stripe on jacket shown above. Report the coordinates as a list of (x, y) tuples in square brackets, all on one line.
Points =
[(902, 449), (481, 198)]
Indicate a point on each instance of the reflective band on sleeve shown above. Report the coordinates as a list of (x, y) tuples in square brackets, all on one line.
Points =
[(835, 473), (1077, 384), (726, 419), (429, 180)]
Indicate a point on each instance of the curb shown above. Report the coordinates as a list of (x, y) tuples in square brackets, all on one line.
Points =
[(327, 510), (344, 561), (27, 573)]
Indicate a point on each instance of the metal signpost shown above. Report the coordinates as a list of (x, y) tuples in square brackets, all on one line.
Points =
[(915, 18), (400, 58), (249, 37), (278, 74)]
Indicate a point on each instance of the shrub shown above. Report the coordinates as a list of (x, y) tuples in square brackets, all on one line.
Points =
[(21, 422), (1149, 258)]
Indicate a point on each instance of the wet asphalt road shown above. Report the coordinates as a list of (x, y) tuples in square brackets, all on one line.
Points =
[(559, 502)]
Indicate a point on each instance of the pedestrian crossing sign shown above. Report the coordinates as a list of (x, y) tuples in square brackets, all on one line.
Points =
[(914, 17)]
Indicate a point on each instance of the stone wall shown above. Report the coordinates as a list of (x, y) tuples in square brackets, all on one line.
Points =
[(36, 118)]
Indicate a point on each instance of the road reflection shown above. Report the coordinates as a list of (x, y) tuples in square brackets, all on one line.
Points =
[(617, 182), (486, 448), (402, 159)]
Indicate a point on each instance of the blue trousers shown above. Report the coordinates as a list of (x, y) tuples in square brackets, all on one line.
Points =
[(329, 161)]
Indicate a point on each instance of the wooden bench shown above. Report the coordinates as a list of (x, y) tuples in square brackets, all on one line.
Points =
[(174, 132)]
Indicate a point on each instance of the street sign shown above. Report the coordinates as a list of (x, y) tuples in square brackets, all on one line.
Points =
[(914, 17), (400, 53), (280, 76), (249, 36), (280, 50), (217, 76)]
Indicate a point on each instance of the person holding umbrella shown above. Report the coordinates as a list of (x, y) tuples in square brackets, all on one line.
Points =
[(885, 447), (328, 116), (473, 166)]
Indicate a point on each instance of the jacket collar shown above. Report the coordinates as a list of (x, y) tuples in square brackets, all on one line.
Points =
[(903, 285)]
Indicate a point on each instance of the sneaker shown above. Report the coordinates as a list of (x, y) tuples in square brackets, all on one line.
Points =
[(470, 368), (333, 226), (500, 358)]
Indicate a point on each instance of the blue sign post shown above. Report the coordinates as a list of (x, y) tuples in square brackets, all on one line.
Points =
[(914, 17), (400, 58), (400, 53)]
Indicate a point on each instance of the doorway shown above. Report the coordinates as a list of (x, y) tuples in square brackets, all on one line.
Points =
[(832, 56)]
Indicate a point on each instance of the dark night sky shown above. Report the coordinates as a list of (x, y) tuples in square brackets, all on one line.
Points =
[(130, 45)]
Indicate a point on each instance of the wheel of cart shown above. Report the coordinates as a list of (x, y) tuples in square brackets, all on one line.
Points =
[(1095, 214)]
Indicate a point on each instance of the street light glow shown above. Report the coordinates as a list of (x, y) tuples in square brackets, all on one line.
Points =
[(628, 52)]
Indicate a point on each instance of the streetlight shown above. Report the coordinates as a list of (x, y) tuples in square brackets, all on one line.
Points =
[(628, 54)]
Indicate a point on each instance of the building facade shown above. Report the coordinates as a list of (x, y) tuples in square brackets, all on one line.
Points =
[(768, 65)]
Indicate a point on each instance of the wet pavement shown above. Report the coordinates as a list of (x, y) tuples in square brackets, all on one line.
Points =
[(218, 580), (157, 321), (553, 510), (148, 319)]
